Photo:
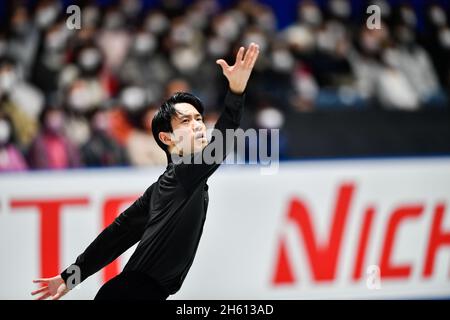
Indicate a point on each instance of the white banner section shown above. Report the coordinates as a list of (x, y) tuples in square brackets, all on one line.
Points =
[(338, 229)]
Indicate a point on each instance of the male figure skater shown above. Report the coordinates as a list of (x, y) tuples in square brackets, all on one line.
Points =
[(167, 220)]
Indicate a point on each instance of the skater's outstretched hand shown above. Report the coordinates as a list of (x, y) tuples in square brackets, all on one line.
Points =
[(239, 73), (53, 288)]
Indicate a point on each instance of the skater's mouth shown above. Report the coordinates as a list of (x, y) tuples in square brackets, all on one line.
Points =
[(200, 135)]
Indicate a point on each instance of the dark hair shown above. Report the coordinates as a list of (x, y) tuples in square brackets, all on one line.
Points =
[(161, 120)]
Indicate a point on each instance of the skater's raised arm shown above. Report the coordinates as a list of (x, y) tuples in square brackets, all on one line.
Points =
[(237, 75)]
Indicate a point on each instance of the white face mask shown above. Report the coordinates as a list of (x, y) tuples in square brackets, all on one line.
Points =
[(5, 132), (227, 29), (270, 118), (133, 98), (340, 8), (157, 23), (90, 59), (217, 47), (80, 100), (144, 43), (182, 34), (437, 16), (300, 36), (311, 15), (186, 60), (7, 80), (444, 38), (257, 38), (46, 16), (282, 60), (55, 41)]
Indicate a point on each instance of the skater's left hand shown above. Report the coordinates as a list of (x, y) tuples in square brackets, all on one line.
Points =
[(239, 73), (52, 287)]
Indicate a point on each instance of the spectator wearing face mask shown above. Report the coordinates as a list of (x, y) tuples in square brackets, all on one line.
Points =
[(278, 84), (310, 14), (114, 39), (51, 148), (186, 53), (393, 90), (24, 39), (101, 150), (11, 159), (415, 63), (89, 63), (51, 58), (87, 85), (46, 13), (365, 60), (145, 65), (437, 43), (82, 97), (211, 91), (190, 55), (141, 147), (131, 98), (340, 10), (20, 101)]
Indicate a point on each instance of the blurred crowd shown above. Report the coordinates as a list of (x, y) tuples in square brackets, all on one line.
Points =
[(86, 97)]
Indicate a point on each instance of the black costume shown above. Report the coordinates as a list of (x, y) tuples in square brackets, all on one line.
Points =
[(167, 221)]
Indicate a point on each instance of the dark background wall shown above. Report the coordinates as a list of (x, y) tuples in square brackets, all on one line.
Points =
[(351, 133)]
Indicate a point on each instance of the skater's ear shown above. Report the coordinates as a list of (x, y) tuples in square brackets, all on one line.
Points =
[(166, 138)]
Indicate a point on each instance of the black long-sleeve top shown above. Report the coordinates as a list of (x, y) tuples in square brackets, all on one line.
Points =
[(167, 220)]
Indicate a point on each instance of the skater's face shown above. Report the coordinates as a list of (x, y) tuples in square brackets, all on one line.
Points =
[(189, 131)]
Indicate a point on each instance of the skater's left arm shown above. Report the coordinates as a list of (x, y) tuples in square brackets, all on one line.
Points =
[(120, 235)]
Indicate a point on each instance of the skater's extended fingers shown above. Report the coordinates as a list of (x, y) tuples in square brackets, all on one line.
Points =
[(44, 280), (239, 55), (248, 54), (39, 291), (57, 296), (223, 64), (44, 296), (251, 57), (254, 58)]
